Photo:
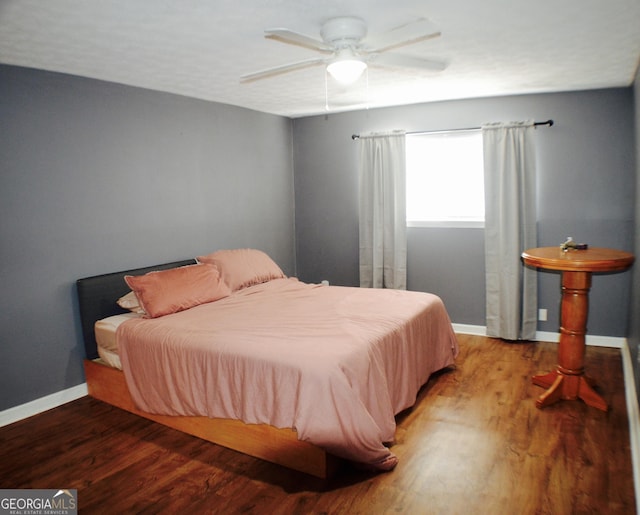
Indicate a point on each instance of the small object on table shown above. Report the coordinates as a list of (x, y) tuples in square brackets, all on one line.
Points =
[(569, 244), (568, 381)]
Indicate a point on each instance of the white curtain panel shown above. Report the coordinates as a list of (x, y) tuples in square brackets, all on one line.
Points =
[(383, 232), (510, 228)]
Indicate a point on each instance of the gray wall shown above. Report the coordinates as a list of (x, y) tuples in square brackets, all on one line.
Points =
[(97, 177), (586, 182)]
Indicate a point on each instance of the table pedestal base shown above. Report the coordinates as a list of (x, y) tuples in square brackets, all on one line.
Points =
[(561, 386)]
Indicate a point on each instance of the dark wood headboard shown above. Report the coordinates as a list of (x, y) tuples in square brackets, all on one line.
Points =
[(97, 296)]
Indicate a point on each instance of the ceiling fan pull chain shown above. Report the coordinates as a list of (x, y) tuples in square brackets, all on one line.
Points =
[(326, 91), (367, 94)]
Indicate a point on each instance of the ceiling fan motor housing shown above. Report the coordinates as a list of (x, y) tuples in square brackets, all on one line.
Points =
[(344, 31)]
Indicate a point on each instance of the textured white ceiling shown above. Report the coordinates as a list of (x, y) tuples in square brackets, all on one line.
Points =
[(200, 48)]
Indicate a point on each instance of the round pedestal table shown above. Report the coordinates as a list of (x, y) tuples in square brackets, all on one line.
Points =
[(568, 381)]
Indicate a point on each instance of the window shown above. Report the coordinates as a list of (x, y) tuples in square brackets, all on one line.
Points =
[(445, 179)]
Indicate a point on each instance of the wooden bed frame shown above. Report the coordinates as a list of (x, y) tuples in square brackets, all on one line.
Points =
[(97, 297)]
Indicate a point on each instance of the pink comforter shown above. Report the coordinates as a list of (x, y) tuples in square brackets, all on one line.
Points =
[(334, 363)]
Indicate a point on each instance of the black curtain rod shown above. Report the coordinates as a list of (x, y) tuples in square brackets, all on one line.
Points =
[(535, 124)]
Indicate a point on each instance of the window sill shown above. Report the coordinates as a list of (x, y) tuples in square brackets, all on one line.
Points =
[(458, 224)]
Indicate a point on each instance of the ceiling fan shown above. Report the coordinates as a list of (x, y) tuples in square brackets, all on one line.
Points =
[(346, 55)]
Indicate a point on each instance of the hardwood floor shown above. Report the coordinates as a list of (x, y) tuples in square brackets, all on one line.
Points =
[(474, 442)]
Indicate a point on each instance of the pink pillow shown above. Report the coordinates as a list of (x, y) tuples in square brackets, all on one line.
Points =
[(241, 268), (169, 291)]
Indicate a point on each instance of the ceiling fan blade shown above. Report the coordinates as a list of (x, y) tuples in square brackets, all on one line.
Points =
[(407, 34), (406, 61), (277, 70), (295, 38)]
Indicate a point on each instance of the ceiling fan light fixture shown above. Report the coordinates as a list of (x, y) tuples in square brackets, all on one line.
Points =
[(347, 70)]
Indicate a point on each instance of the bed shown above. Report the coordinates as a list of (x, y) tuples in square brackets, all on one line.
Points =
[(303, 375)]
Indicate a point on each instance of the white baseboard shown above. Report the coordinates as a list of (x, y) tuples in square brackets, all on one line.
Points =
[(631, 396), (593, 340), (477, 330), (542, 336), (54, 400)]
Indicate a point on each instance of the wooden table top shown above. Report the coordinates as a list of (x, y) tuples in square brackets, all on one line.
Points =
[(589, 260)]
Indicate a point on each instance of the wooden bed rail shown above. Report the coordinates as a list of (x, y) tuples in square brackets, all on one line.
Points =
[(280, 446)]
